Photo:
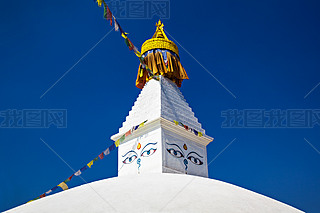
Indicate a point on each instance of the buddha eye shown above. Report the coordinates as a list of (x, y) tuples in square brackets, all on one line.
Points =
[(130, 159), (148, 153), (195, 160), (175, 153)]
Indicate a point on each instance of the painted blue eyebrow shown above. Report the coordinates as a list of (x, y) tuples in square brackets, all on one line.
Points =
[(173, 144), (194, 153), (129, 152), (148, 145)]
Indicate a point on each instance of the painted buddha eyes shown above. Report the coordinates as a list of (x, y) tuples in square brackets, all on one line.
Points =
[(195, 160), (130, 159), (133, 155), (193, 157), (175, 153), (148, 153)]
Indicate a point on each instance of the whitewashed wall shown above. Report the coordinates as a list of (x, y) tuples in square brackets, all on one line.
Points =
[(181, 155), (146, 159)]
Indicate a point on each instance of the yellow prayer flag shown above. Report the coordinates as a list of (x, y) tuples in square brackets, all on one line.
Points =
[(63, 186), (141, 125), (200, 134), (90, 164), (176, 122), (117, 143), (124, 35), (99, 2), (138, 54)]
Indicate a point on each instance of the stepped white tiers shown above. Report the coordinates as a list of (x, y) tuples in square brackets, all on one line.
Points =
[(161, 146), (156, 193)]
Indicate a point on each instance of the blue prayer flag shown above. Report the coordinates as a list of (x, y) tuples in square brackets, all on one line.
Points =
[(83, 168), (54, 188), (112, 147)]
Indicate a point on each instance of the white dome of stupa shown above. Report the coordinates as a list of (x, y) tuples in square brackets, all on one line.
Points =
[(156, 193)]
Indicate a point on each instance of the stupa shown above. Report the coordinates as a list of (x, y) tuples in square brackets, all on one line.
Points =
[(163, 165)]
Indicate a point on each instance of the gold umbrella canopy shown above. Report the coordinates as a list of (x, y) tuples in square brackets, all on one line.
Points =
[(162, 56)]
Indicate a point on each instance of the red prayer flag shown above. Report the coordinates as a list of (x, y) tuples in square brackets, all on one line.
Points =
[(43, 195), (70, 177), (128, 133), (131, 45), (109, 15), (101, 156)]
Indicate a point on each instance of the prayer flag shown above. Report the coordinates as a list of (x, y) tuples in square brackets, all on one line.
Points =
[(200, 134), (176, 122), (99, 2), (117, 143), (33, 199), (122, 138), (136, 127), (116, 25), (84, 168), (195, 132), (63, 186), (141, 125), (138, 54), (107, 13), (43, 195), (54, 188), (101, 156), (135, 49), (186, 127), (97, 158), (48, 192), (68, 179), (90, 164), (112, 147), (107, 151), (124, 35), (128, 133), (129, 43), (77, 173)]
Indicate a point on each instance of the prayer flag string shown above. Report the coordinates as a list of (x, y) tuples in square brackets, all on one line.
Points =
[(107, 14), (63, 184), (197, 133)]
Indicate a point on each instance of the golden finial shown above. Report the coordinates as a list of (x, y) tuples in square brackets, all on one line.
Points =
[(159, 31)]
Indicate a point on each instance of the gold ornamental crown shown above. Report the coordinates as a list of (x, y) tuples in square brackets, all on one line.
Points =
[(159, 41)]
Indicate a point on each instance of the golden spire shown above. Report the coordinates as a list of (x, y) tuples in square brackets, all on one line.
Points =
[(159, 40), (159, 31)]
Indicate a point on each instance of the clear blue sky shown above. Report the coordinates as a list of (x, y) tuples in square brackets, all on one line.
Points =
[(265, 52)]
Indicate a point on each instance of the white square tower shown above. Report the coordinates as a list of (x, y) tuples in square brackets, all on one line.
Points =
[(171, 140)]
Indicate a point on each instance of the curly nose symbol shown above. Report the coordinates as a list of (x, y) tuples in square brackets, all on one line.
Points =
[(186, 164), (139, 162)]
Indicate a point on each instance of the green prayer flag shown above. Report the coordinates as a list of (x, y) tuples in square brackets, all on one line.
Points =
[(122, 138), (97, 158)]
